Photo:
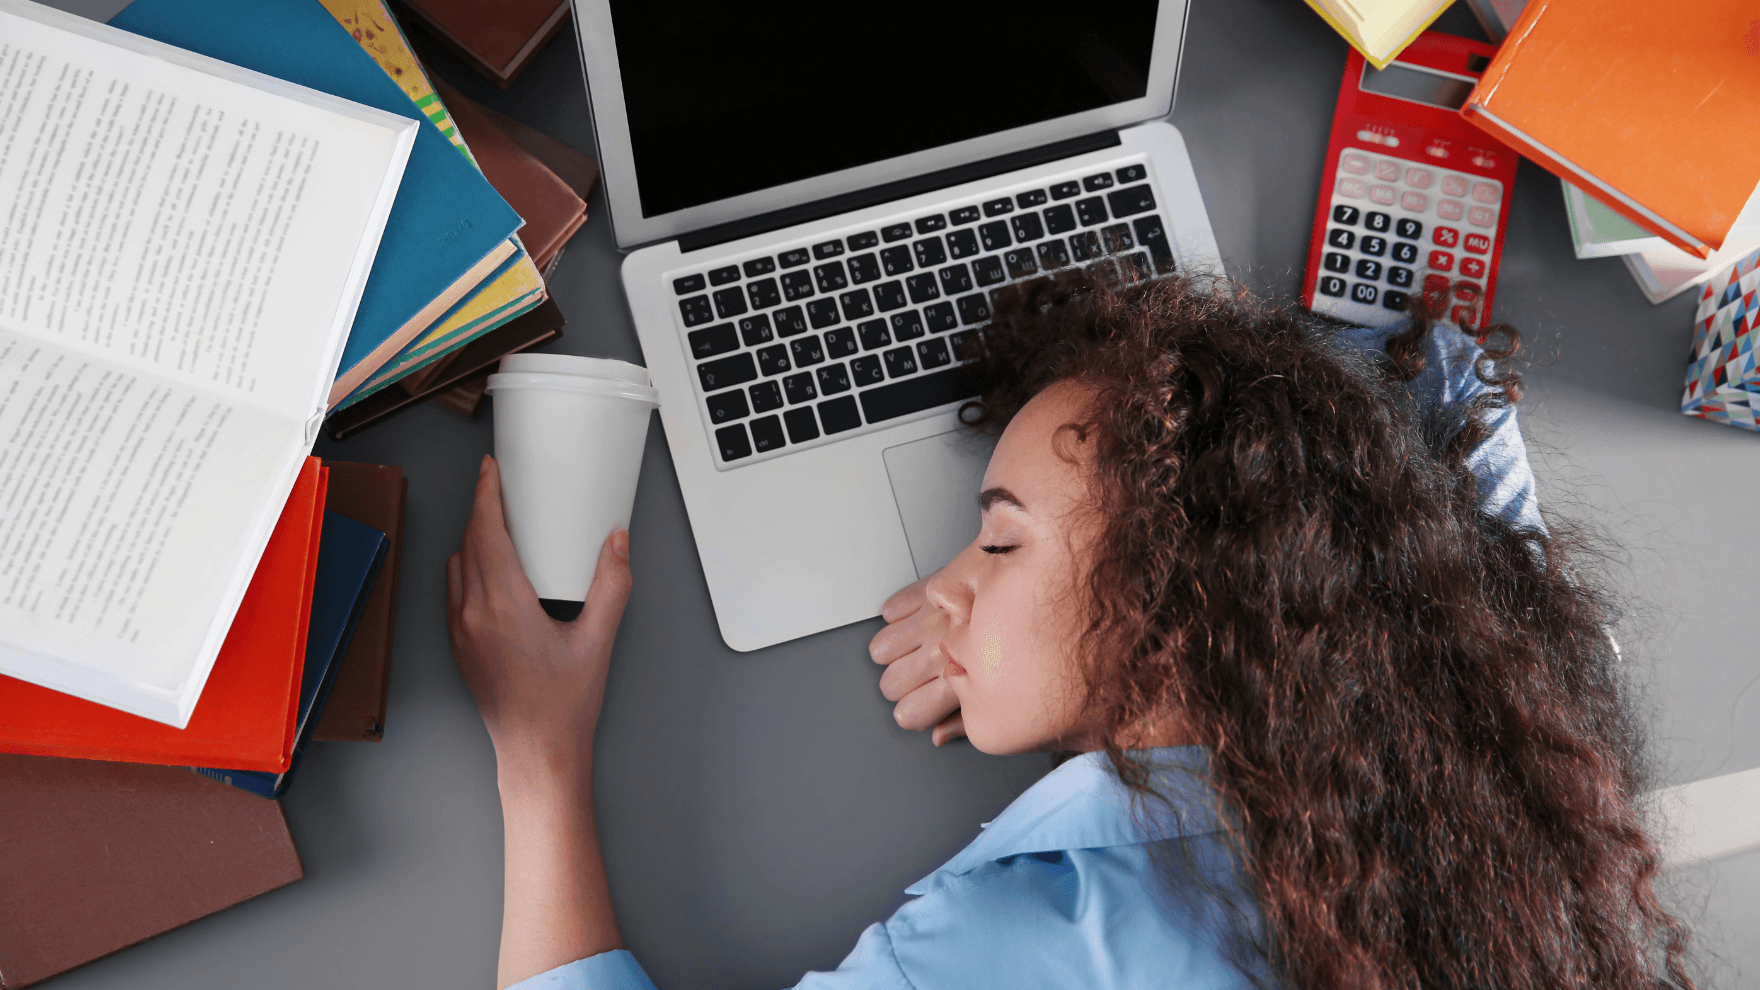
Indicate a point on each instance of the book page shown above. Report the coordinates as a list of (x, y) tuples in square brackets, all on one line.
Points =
[(178, 222), (111, 524)]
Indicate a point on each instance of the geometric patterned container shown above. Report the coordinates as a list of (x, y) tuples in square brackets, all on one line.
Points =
[(1722, 383)]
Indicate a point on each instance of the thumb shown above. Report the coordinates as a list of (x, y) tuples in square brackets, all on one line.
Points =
[(609, 592)]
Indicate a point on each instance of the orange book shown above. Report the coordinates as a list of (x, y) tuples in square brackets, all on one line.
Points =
[(1643, 107), (245, 718)]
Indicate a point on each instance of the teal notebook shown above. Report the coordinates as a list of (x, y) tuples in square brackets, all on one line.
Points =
[(447, 218)]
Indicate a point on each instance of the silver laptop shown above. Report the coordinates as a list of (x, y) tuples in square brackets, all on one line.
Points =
[(820, 209)]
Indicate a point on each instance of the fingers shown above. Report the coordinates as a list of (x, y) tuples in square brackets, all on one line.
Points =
[(926, 706), (490, 564), (913, 670), (454, 584), (952, 727), (904, 601), (609, 592)]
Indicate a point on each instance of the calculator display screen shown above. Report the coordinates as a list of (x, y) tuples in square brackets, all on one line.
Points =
[(1419, 85), (730, 98)]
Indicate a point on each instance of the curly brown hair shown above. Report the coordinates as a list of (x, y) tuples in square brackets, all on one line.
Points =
[(1417, 728)]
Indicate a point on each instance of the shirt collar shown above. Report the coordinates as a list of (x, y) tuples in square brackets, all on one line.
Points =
[(1083, 805)]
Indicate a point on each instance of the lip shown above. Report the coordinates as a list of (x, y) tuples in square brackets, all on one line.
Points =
[(952, 669)]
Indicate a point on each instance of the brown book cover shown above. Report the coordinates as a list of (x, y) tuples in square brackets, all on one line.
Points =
[(497, 37), (576, 168), (464, 399), (374, 495), (96, 856), (542, 324), (550, 208)]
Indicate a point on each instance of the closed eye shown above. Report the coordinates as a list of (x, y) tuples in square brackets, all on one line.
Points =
[(998, 548)]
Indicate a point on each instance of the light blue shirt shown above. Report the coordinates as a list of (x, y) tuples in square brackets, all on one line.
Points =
[(1059, 890)]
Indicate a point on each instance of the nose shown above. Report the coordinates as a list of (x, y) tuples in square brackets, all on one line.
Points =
[(951, 589)]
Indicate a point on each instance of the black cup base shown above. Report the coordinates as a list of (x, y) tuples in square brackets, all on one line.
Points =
[(561, 609)]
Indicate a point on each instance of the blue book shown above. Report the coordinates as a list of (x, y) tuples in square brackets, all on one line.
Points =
[(349, 555), (448, 229)]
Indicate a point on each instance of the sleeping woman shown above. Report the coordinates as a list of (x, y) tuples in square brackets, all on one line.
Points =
[(1329, 707)]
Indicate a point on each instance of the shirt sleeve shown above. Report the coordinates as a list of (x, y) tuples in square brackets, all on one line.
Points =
[(614, 970), (870, 966)]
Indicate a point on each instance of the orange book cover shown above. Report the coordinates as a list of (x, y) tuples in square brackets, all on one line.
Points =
[(1644, 107), (245, 718)]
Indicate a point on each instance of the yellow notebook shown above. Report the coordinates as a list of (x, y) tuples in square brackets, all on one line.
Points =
[(1380, 29)]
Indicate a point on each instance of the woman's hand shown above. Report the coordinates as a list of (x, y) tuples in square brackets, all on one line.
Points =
[(910, 646), (538, 683)]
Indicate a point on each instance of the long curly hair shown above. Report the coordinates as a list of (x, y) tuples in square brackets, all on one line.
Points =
[(1418, 731)]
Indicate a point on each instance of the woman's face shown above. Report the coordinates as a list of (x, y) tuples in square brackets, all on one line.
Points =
[(1014, 596)]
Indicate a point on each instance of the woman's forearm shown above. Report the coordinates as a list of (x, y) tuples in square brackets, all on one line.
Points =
[(557, 907)]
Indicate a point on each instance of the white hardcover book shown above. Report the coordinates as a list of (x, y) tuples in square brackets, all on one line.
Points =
[(183, 244)]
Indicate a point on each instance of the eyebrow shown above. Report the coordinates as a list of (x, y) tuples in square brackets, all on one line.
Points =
[(989, 497)]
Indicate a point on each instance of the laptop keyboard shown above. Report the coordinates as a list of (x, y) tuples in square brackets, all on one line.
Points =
[(820, 342)]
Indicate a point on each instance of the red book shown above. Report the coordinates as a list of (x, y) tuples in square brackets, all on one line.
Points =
[(245, 718)]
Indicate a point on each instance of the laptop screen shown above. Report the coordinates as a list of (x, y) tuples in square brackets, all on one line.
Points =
[(725, 99)]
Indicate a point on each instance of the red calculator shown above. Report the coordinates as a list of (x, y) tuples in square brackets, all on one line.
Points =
[(1414, 197)]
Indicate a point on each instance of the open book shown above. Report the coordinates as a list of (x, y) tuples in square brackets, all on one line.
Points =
[(183, 244)]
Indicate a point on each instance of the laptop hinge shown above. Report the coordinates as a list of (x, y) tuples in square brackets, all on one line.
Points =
[(818, 209)]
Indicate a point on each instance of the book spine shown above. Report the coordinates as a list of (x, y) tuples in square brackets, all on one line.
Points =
[(260, 784)]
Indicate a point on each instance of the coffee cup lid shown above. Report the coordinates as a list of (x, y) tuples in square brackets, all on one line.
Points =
[(574, 364), (508, 381)]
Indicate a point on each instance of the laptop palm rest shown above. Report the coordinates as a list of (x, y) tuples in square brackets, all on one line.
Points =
[(935, 482)]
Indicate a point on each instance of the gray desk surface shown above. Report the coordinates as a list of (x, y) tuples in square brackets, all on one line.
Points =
[(758, 810)]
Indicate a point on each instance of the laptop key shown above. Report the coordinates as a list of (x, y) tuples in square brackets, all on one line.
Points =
[(896, 260), (796, 285), (763, 293), (1091, 211), (728, 406), (889, 295), (1126, 202), (907, 325), (760, 266), (1060, 219), (933, 353), (799, 388), (963, 215), (939, 317), (828, 249), (955, 279), (863, 241), (1140, 261), (729, 303), (895, 232), (896, 399), (1064, 190), (710, 341), (722, 276), (840, 414), (867, 370), (1030, 199), (856, 304), (929, 252), (840, 343), (726, 372), (899, 362), (1094, 183), (822, 313), (789, 321), (1153, 236), (922, 287), (1132, 173), (873, 334), (806, 352), (1027, 228), (1020, 262), (1085, 246), (962, 344), (732, 442), (988, 270), (1052, 254), (962, 244), (833, 378), (767, 396), (773, 360), (689, 283), (864, 268), (696, 310), (801, 426), (973, 309), (795, 258), (995, 236), (754, 330), (1117, 238), (997, 207), (830, 276), (928, 225), (767, 434)]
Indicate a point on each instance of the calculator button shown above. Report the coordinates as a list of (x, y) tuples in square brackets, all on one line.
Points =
[(1409, 229), (1485, 192), (1454, 185), (1414, 201), (1365, 293), (1446, 236), (1354, 164), (1382, 194), (1332, 285), (1368, 269), (1472, 268), (1401, 277), (1466, 316), (1478, 243), (1345, 214), (1340, 238), (1394, 299), (1449, 209), (1407, 253), (1372, 245), (1435, 284), (1387, 171), (1480, 216), (1417, 178), (1336, 262), (1351, 188), (1378, 222), (1466, 292), (1441, 261)]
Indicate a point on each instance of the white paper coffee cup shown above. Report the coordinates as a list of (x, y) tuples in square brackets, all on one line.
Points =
[(569, 433)]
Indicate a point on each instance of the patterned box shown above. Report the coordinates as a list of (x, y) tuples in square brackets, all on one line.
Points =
[(1722, 384)]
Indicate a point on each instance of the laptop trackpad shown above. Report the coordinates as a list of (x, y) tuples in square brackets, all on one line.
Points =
[(935, 482)]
